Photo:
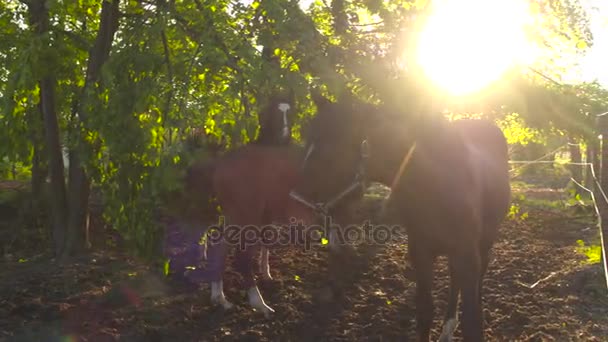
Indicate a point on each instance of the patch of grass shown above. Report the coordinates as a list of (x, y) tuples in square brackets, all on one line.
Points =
[(552, 176), (539, 203), (519, 185), (592, 252), (514, 213), (8, 196), (520, 201)]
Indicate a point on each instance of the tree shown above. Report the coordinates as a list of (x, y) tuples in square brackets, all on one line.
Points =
[(39, 23)]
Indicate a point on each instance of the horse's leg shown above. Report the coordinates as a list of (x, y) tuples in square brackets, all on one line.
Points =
[(485, 250), (265, 265), (337, 241), (245, 266), (217, 294), (334, 240), (423, 266), (217, 264), (467, 267), (244, 215), (450, 322)]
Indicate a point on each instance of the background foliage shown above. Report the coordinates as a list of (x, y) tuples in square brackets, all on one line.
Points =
[(186, 70)]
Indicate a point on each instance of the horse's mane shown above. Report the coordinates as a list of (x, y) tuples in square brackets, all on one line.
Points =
[(430, 129), (364, 117)]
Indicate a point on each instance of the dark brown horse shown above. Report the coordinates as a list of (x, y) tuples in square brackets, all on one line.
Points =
[(449, 187)]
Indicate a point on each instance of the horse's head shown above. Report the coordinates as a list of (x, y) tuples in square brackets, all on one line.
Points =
[(276, 119), (334, 151)]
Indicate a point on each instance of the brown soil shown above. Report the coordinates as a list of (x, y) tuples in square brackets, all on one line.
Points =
[(109, 296)]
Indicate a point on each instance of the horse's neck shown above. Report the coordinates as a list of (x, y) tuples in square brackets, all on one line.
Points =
[(268, 134), (393, 139), (389, 145)]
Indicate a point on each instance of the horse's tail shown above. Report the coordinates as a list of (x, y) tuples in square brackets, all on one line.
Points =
[(198, 183)]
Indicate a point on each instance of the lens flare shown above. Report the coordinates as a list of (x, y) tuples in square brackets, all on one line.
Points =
[(468, 44)]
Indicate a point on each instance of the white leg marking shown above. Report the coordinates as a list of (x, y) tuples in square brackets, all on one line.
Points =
[(217, 295), (449, 328), (265, 264), (257, 302)]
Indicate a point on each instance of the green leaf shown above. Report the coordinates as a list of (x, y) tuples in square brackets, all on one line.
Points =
[(166, 267)]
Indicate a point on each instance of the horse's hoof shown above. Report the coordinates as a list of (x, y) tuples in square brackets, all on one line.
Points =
[(257, 302), (218, 297), (223, 302), (268, 312), (263, 308)]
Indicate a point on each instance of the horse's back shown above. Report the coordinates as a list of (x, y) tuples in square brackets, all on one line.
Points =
[(484, 135), (261, 162), (256, 178)]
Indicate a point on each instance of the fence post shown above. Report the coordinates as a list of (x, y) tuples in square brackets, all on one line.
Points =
[(602, 125), (591, 157), (574, 147)]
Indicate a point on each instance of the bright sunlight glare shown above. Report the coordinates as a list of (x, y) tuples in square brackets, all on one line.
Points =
[(468, 44)]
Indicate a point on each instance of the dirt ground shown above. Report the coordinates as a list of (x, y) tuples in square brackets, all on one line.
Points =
[(109, 296)]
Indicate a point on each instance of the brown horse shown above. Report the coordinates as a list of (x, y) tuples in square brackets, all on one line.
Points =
[(275, 121), (449, 186), (251, 186)]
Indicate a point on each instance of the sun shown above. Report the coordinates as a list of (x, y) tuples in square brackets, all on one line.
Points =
[(468, 44)]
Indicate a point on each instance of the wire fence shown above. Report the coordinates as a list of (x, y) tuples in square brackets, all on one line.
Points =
[(592, 193)]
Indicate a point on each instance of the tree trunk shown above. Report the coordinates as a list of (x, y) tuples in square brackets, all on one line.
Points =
[(39, 164), (38, 183), (79, 183), (39, 21), (57, 195), (39, 172), (340, 17)]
